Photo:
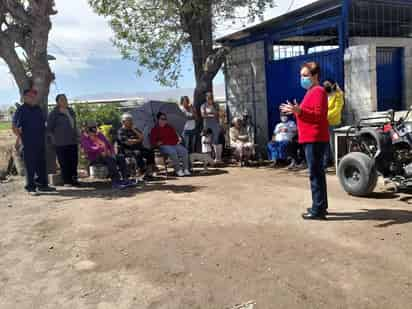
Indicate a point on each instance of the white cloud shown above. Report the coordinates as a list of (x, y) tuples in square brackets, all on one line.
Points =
[(6, 80), (79, 36)]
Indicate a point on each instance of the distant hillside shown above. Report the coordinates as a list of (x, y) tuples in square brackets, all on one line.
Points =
[(219, 91)]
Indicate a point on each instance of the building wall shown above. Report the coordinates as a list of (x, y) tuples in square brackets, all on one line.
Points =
[(360, 82), (240, 77), (372, 43)]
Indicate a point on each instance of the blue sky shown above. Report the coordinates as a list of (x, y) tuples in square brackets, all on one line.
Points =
[(87, 63)]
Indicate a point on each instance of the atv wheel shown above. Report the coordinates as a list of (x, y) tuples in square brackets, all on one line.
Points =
[(357, 174)]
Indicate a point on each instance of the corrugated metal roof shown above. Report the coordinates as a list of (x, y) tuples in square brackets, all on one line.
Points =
[(272, 24)]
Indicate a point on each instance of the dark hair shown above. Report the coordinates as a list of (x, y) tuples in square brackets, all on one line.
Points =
[(59, 96), (207, 131), (313, 67), (183, 99), (329, 85), (160, 114)]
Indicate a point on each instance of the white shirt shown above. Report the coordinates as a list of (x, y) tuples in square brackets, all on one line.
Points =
[(190, 123), (206, 144), (287, 136)]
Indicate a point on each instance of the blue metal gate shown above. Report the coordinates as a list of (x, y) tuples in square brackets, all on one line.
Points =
[(283, 79), (389, 69)]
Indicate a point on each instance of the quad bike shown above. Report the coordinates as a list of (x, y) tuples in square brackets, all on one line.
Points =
[(377, 146)]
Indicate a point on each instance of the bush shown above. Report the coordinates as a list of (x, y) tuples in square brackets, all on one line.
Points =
[(102, 114)]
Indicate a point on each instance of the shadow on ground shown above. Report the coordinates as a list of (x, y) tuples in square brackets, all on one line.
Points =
[(389, 216)]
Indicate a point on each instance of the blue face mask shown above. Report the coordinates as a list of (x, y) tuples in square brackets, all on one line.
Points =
[(306, 82)]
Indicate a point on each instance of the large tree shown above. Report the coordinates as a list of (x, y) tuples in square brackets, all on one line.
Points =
[(24, 33), (156, 33)]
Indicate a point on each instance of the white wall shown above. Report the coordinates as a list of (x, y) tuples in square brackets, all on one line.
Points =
[(406, 43), (360, 82), (239, 80)]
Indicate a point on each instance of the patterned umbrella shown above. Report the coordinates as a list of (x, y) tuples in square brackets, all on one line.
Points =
[(144, 117)]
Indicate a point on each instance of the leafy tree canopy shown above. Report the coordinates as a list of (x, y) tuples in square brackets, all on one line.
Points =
[(156, 33)]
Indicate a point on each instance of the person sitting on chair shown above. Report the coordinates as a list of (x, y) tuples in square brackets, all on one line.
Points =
[(130, 144), (165, 137), (99, 151), (279, 147), (240, 141)]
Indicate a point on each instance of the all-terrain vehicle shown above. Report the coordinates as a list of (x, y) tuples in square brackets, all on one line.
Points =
[(380, 145)]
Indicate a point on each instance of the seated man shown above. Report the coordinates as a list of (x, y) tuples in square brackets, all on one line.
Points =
[(130, 143), (279, 148), (99, 151), (165, 137), (240, 141)]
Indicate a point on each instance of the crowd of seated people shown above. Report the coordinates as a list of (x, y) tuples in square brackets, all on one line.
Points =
[(284, 147), (99, 151), (240, 141)]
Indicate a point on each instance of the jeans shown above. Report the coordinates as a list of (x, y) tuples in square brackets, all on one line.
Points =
[(329, 157), (114, 164), (315, 152), (35, 163), (68, 158), (189, 137), (176, 153)]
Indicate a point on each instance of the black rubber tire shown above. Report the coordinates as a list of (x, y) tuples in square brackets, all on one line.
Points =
[(357, 174)]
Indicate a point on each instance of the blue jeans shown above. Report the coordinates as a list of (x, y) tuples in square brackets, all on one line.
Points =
[(176, 153), (189, 137), (315, 153), (329, 157)]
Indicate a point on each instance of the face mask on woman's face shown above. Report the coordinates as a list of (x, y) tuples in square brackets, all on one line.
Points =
[(284, 119), (306, 82)]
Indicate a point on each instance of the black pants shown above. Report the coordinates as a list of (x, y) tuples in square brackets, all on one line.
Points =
[(315, 153), (144, 157), (114, 165), (296, 152), (35, 163), (68, 157)]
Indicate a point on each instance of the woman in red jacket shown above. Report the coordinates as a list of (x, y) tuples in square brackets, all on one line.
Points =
[(313, 130)]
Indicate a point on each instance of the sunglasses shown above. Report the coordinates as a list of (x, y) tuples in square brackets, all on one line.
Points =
[(163, 119)]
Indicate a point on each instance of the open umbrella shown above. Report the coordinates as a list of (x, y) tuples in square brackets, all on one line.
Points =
[(144, 117)]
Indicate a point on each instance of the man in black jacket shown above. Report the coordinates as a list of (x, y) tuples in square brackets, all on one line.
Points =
[(29, 125)]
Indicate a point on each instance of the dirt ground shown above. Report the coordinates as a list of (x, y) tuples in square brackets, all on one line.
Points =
[(204, 242)]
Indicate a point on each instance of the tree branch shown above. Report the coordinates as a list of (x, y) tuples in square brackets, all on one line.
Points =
[(17, 10)]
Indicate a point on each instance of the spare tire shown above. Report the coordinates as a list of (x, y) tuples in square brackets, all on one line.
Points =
[(357, 174)]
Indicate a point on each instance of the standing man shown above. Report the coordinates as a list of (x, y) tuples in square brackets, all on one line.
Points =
[(29, 125)]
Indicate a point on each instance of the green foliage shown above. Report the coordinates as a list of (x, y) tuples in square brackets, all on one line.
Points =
[(156, 33), (102, 114), (4, 126), (11, 110)]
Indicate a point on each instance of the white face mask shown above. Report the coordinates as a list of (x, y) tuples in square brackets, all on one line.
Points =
[(284, 119)]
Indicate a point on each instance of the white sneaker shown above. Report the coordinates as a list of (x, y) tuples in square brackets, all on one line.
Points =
[(187, 173), (180, 173)]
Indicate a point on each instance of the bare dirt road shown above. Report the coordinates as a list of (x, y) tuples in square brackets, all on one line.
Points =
[(204, 242)]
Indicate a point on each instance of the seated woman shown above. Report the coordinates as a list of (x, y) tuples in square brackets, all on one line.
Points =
[(99, 151), (166, 138), (280, 145), (240, 141), (130, 144)]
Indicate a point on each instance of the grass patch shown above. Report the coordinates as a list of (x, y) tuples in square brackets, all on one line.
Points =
[(5, 126)]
